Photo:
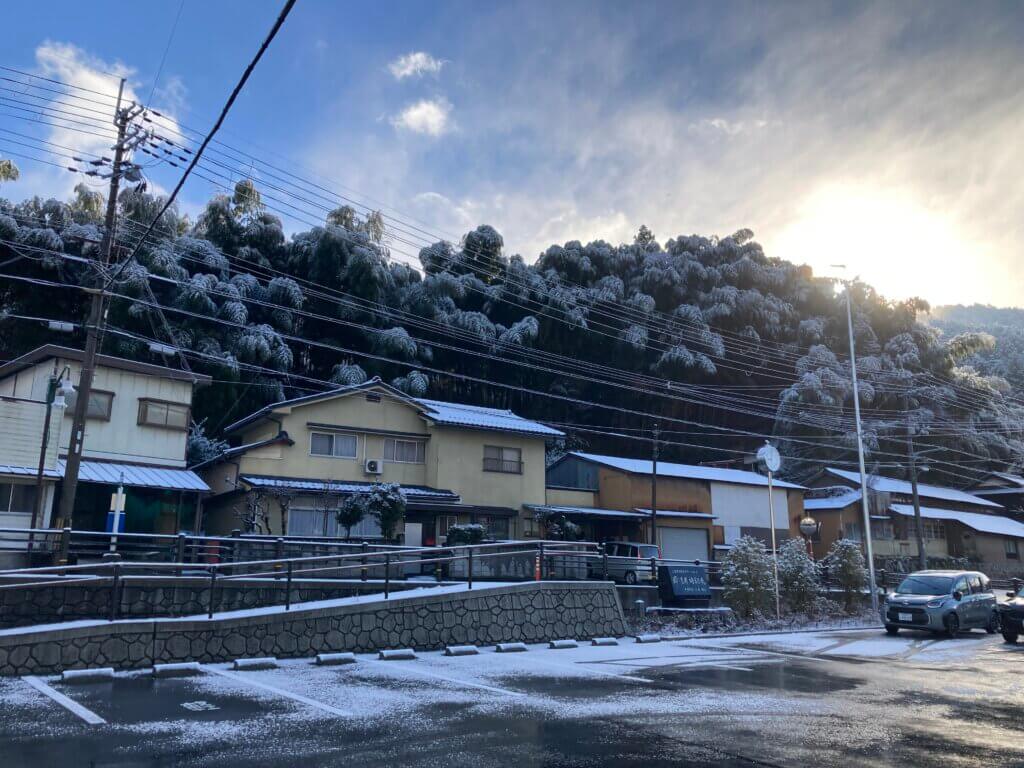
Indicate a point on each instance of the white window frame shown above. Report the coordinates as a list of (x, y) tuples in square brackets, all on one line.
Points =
[(420, 450), (334, 442)]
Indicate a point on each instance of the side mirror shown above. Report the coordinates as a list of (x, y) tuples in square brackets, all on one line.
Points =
[(958, 595), (1011, 594)]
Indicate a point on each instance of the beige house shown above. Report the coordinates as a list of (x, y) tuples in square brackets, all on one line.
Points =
[(135, 435), (292, 462), (701, 510)]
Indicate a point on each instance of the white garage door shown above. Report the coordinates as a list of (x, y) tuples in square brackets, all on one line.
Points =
[(683, 543)]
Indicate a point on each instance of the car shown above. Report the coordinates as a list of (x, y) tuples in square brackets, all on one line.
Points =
[(1011, 614), (943, 602), (628, 562)]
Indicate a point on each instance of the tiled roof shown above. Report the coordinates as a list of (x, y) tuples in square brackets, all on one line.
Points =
[(890, 485)]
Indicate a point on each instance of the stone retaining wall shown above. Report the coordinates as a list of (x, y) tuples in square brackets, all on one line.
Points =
[(528, 612), (148, 597)]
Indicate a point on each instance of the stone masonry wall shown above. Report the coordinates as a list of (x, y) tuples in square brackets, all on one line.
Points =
[(528, 612), (144, 597)]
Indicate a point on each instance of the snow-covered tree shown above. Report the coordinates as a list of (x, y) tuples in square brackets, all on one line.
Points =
[(845, 564), (798, 575), (748, 582)]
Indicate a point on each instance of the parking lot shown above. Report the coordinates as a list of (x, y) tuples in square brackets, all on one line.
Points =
[(846, 698)]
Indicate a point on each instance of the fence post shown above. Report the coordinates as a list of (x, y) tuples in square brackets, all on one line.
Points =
[(65, 547), (437, 572), (179, 554), (213, 585), (278, 552), (654, 569), (362, 571), (114, 584), (470, 567), (288, 588), (538, 570), (387, 575), (604, 562)]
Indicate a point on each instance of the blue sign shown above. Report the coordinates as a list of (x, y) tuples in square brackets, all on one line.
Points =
[(683, 583), (120, 522)]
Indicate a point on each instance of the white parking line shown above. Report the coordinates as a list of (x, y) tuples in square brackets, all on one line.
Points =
[(247, 679), (453, 680), (72, 706), (725, 666), (583, 672)]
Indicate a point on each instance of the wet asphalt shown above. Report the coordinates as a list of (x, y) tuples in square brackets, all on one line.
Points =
[(852, 699)]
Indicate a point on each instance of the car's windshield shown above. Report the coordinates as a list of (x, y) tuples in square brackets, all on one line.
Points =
[(648, 551), (925, 585)]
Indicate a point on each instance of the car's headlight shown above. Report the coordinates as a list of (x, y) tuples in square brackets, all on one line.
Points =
[(936, 603)]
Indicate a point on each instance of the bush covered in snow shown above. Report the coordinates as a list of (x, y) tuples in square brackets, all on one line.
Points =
[(748, 584), (845, 564), (469, 533), (798, 576)]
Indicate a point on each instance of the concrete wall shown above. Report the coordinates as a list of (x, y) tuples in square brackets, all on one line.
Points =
[(531, 612)]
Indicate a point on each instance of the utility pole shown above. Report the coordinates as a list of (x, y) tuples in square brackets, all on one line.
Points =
[(869, 550), (654, 485), (922, 558), (97, 316)]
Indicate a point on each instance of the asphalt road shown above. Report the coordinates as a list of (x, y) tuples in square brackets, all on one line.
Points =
[(846, 698)]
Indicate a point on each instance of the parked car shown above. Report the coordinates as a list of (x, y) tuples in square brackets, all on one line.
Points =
[(1011, 614), (942, 602), (628, 562)]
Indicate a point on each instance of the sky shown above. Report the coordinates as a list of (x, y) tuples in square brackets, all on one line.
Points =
[(882, 136)]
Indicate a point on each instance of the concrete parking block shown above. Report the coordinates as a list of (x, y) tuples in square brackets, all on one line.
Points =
[(335, 659), (87, 675), (263, 662), (461, 650), (177, 670), (397, 654), (648, 638), (561, 644), (510, 647), (604, 641)]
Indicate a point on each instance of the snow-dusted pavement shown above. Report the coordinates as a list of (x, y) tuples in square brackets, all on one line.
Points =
[(818, 698)]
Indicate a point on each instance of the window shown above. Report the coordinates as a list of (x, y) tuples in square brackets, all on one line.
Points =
[(494, 527), (852, 531), (500, 459), (444, 523), (160, 413), (932, 529), (1010, 546), (101, 404), (404, 451), (961, 586), (304, 521), (882, 529), (328, 444), (17, 497)]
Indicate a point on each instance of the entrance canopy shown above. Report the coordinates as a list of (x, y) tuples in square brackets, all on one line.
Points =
[(133, 475)]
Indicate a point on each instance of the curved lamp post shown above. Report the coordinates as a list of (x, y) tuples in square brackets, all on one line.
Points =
[(58, 390), (809, 527)]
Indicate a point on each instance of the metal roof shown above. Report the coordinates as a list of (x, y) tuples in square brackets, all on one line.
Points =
[(891, 485), (136, 476), (13, 469), (559, 509), (836, 501), (979, 521), (686, 471), (411, 492), (49, 351)]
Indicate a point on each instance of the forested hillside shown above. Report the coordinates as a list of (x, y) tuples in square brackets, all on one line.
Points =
[(719, 342), (1005, 357)]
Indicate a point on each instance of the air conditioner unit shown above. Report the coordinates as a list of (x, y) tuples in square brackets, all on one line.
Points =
[(372, 466)]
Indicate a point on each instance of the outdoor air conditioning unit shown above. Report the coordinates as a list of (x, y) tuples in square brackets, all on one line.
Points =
[(372, 466)]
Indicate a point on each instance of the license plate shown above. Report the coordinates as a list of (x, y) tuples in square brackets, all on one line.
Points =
[(906, 617)]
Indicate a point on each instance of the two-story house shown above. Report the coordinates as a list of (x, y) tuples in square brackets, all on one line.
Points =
[(135, 436), (293, 462), (701, 510), (955, 523)]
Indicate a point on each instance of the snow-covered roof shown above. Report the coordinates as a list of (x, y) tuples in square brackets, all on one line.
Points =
[(837, 501), (14, 469), (1014, 484), (559, 509), (687, 471), (995, 524), (411, 492), (676, 513), (890, 485), (111, 473), (479, 417)]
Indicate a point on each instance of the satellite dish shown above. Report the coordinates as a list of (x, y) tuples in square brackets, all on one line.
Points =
[(770, 456)]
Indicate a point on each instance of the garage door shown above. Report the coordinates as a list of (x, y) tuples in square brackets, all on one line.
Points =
[(683, 543)]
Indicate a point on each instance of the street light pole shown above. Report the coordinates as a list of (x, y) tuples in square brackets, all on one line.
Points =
[(772, 461), (654, 486), (869, 550), (922, 557), (57, 388)]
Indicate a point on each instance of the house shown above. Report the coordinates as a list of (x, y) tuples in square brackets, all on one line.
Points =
[(1005, 489), (955, 523), (292, 462), (701, 510), (135, 435)]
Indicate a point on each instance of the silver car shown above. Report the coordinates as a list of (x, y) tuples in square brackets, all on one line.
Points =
[(942, 602), (628, 561)]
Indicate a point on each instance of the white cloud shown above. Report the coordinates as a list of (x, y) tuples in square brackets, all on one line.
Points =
[(429, 116), (415, 64)]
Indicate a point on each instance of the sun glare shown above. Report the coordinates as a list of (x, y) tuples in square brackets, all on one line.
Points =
[(888, 239)]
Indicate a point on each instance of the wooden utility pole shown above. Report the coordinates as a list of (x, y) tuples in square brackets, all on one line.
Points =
[(922, 557), (97, 316), (654, 485)]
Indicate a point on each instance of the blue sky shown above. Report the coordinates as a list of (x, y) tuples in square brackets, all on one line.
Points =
[(885, 136)]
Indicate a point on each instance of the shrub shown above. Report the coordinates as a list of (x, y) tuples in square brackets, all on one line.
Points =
[(747, 580), (385, 503), (845, 564), (472, 533), (351, 512), (798, 575)]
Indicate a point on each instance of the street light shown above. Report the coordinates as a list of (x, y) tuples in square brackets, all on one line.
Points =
[(809, 527), (768, 454), (58, 389)]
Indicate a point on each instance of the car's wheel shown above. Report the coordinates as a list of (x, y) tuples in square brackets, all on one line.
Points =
[(995, 623), (631, 577), (891, 630), (1009, 637), (952, 623)]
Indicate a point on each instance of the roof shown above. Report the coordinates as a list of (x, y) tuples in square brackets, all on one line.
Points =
[(676, 513), (584, 511), (13, 469), (479, 417), (890, 485), (50, 351), (280, 437), (112, 473), (979, 521), (411, 492), (837, 501), (450, 414), (1013, 484), (688, 471)]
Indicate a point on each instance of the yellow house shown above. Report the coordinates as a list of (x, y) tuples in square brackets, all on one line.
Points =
[(292, 462)]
